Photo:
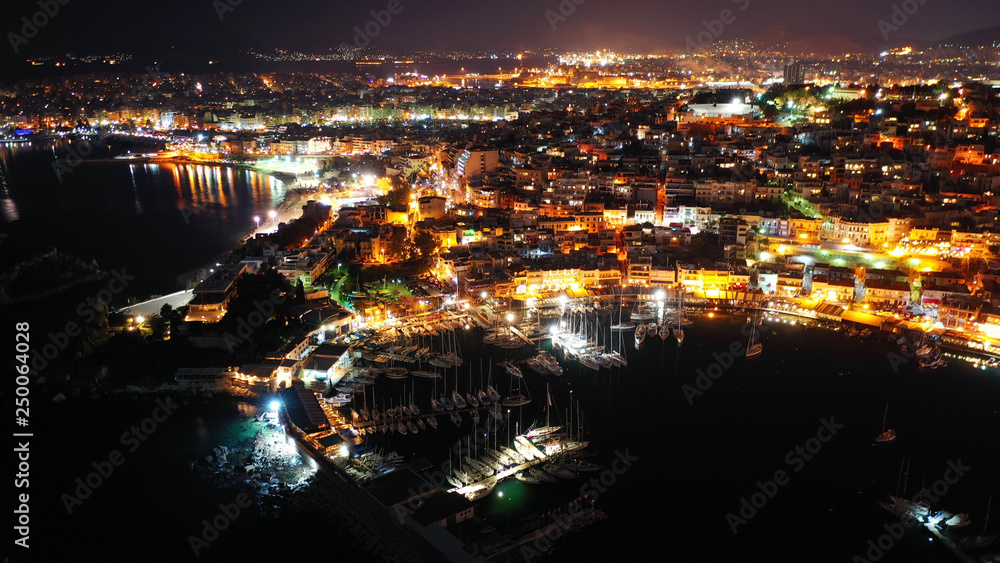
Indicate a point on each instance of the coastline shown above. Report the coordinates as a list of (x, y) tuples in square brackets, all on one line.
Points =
[(52, 291)]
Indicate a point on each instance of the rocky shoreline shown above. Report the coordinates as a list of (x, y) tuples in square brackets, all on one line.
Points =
[(265, 467)]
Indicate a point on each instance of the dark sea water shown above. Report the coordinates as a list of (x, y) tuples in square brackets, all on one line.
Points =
[(695, 462), (162, 223)]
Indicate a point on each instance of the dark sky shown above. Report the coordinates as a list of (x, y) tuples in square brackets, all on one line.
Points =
[(95, 26)]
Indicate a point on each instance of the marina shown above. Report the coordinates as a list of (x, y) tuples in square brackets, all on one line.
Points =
[(483, 467)]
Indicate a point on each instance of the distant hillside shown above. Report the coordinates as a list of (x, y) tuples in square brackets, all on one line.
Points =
[(978, 37)]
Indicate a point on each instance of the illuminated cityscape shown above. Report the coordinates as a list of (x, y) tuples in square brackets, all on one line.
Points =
[(416, 295)]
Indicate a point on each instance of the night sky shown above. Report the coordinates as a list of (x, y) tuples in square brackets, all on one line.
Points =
[(98, 26)]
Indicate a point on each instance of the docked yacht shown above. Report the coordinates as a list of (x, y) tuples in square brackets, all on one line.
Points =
[(513, 370), (492, 394), (447, 403), (542, 432), (436, 405), (516, 401), (640, 335), (526, 478), (537, 473), (426, 374), (589, 361)]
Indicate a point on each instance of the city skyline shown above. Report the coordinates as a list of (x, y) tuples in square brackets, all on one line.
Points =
[(562, 280), (194, 30)]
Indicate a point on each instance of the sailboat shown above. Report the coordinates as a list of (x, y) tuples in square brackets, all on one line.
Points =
[(491, 393), (754, 349), (589, 361), (513, 370), (456, 397), (640, 335), (414, 409), (887, 435), (516, 400), (622, 325), (548, 429), (470, 398)]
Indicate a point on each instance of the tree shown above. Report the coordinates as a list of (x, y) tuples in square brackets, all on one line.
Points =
[(300, 293), (705, 245), (399, 247), (398, 195), (426, 243)]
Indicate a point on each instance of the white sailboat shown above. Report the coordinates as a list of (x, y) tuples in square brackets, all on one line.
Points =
[(621, 325)]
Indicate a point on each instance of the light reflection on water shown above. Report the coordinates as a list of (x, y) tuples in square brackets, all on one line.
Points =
[(121, 213)]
